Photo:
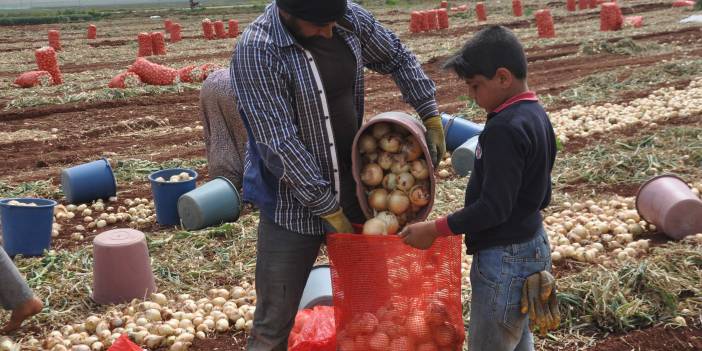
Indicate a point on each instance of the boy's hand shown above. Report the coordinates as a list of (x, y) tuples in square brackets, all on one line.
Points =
[(540, 301), (420, 235), (435, 139)]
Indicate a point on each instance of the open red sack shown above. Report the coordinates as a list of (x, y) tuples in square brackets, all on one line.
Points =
[(34, 78), (314, 330), (390, 296), (153, 73), (124, 344), (125, 80)]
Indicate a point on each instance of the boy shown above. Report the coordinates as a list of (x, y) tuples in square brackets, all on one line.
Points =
[(510, 184)]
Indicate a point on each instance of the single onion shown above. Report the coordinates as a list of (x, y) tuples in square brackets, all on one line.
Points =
[(405, 181), (378, 199), (391, 143), (390, 181), (370, 158), (379, 341), (375, 226), (445, 334), (411, 148), (380, 129), (385, 160), (399, 164), (372, 174), (419, 169), (419, 195), (398, 202), (367, 144), (391, 223)]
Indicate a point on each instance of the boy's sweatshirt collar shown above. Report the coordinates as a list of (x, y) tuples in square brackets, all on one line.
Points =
[(525, 96)]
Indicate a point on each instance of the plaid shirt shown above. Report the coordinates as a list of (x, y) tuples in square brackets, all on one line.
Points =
[(292, 170)]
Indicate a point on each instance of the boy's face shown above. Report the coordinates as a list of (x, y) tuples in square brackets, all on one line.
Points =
[(489, 93)]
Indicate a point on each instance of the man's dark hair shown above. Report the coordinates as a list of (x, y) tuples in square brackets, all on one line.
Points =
[(488, 50)]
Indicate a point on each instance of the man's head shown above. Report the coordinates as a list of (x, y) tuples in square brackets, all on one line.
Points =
[(310, 18), (494, 66)]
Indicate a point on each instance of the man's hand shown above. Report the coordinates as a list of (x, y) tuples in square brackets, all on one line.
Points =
[(420, 235), (435, 139), (338, 222), (540, 301)]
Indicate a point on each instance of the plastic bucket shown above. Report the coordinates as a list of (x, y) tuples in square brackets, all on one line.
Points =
[(668, 203), (166, 194), (215, 202), (458, 130), (26, 230), (318, 290), (463, 158), (89, 181)]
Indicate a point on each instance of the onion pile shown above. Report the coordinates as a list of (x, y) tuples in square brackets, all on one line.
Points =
[(396, 176), (181, 177), (21, 204), (159, 322)]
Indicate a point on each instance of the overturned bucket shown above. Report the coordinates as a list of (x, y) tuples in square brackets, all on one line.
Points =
[(463, 158), (669, 203), (215, 202), (318, 290), (89, 181), (166, 194), (458, 130), (26, 229)]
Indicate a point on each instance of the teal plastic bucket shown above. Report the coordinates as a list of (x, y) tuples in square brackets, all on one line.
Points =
[(89, 181), (458, 130), (26, 230), (166, 194), (318, 290), (463, 158), (215, 202)]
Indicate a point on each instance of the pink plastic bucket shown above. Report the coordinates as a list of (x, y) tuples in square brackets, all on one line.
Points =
[(668, 203)]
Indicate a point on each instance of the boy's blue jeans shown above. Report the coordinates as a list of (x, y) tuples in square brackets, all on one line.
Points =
[(497, 276)]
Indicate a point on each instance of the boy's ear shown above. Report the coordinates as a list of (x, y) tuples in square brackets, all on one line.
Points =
[(504, 77)]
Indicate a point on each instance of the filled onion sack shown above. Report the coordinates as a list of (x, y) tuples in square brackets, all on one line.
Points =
[(145, 44), (395, 182), (158, 43), (47, 61), (152, 73), (125, 80), (33, 78), (220, 33)]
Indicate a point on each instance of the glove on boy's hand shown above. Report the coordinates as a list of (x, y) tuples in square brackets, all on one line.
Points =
[(338, 222), (540, 301), (435, 139)]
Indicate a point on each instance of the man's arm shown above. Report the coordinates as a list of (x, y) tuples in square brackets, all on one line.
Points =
[(264, 101)]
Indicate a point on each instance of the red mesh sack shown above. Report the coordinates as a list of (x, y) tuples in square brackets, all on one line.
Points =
[(517, 8), (683, 3), (544, 24), (220, 33), (583, 4), (175, 33), (152, 73), (233, 28), (158, 44), (444, 5), (125, 80), (47, 61), (167, 24), (432, 21), (92, 32), (145, 45), (390, 296), (55, 39), (204, 71), (208, 29), (124, 344), (34, 78), (480, 12), (634, 21), (593, 4), (416, 22), (463, 8), (314, 330), (443, 18), (611, 17), (571, 5), (185, 74)]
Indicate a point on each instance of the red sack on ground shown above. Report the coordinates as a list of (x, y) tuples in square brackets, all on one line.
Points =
[(125, 80), (416, 22), (175, 33), (571, 5), (443, 19), (34, 78), (233, 28), (611, 17), (153, 73), (219, 30), (583, 4), (124, 344), (314, 330), (544, 24), (634, 21), (390, 296), (683, 3), (208, 29), (167, 24), (47, 61), (158, 44), (145, 44), (517, 8), (55, 39), (480, 12), (92, 31)]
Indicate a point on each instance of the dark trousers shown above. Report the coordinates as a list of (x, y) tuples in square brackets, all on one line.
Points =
[(283, 263)]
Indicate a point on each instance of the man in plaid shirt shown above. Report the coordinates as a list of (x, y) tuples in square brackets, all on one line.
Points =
[(297, 73)]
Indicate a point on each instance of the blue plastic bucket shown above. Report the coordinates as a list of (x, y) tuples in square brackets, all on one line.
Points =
[(166, 194), (458, 130), (215, 202), (26, 230), (463, 158), (318, 290), (89, 181)]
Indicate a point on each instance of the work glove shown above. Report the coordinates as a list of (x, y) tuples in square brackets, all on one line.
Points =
[(338, 222), (540, 301), (435, 139)]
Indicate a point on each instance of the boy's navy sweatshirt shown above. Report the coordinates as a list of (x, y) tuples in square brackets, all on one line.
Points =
[(511, 179)]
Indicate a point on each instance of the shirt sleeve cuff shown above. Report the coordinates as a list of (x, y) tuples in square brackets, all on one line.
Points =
[(442, 227)]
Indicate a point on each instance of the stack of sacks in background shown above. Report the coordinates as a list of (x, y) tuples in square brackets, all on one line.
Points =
[(219, 30), (175, 33), (430, 20), (145, 44), (517, 9), (208, 29), (158, 43), (92, 32), (683, 3), (55, 39), (544, 24), (233, 28), (215, 30), (481, 12), (48, 72), (571, 5), (611, 17), (167, 25)]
